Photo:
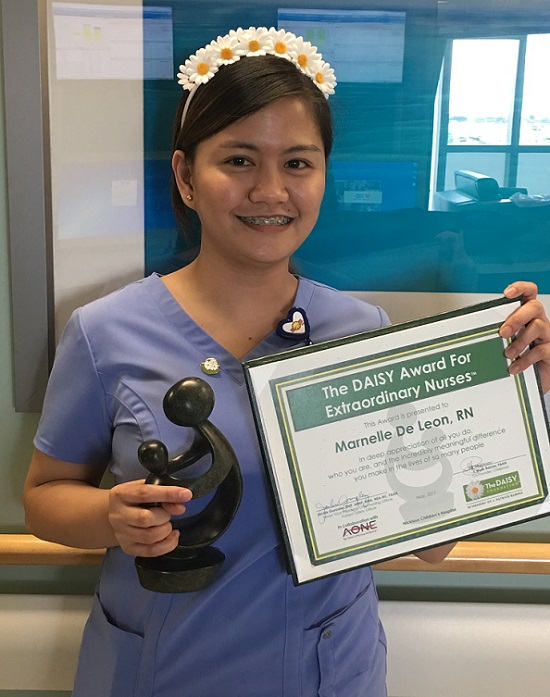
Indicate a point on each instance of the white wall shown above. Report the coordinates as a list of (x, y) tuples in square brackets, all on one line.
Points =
[(467, 649)]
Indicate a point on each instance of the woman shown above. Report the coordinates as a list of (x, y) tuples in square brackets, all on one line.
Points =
[(252, 139)]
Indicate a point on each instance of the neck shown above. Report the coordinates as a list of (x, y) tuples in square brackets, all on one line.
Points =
[(234, 285), (237, 308)]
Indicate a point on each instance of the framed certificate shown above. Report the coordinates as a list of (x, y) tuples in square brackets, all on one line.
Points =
[(395, 440)]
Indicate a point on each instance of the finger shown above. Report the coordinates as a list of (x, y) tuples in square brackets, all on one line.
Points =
[(138, 493), (155, 549), (535, 333), (174, 508), (533, 310), (536, 354), (527, 359), (526, 288), (148, 515)]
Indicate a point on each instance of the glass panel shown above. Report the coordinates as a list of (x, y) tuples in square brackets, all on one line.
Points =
[(535, 114), (374, 232), (490, 163), (533, 171), (481, 98)]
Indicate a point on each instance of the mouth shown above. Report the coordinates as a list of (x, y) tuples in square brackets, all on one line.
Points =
[(266, 220)]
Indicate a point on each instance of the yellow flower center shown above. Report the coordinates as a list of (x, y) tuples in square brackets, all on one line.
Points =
[(280, 47), (302, 60), (320, 78), (202, 68), (254, 45), (226, 53)]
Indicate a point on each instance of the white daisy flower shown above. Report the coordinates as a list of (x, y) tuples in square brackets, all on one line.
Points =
[(255, 42), (283, 43), (323, 76), (183, 79), (475, 490), (202, 66), (304, 54), (226, 49)]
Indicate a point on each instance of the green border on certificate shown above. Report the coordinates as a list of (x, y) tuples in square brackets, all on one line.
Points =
[(297, 409)]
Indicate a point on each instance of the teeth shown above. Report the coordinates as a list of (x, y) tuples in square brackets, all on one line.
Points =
[(274, 220)]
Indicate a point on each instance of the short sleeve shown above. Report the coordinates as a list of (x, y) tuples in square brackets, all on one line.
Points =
[(75, 425)]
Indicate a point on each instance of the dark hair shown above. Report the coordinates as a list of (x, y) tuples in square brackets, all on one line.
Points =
[(238, 90)]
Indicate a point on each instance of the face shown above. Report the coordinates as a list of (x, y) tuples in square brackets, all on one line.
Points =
[(257, 185)]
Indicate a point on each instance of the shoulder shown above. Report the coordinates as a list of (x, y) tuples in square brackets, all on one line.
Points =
[(114, 324), (335, 313), (124, 303)]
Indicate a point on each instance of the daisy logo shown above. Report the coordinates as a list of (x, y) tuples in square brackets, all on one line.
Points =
[(474, 490), (493, 486)]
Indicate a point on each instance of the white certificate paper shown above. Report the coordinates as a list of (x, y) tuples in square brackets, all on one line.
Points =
[(399, 439)]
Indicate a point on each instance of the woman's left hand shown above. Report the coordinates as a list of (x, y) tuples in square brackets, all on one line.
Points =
[(532, 327)]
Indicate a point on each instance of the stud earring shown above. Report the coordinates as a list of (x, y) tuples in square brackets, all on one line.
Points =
[(189, 197)]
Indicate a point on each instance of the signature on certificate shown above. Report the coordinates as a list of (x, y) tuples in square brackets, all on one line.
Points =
[(324, 510), (474, 465)]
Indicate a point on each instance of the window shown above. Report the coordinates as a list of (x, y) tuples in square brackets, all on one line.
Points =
[(535, 114), (481, 95), (495, 111)]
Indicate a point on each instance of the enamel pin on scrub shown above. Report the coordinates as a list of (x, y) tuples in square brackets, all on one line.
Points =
[(210, 366), (295, 326)]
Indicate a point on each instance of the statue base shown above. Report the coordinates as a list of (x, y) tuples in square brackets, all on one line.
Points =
[(180, 571)]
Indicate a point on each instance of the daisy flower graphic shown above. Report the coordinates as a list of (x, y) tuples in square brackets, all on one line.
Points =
[(475, 490)]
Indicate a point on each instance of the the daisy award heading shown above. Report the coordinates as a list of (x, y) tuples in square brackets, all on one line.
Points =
[(395, 382)]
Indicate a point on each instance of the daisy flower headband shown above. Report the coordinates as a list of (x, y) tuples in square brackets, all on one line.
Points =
[(261, 41)]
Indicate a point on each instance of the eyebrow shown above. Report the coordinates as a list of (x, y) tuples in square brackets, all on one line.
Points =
[(243, 145)]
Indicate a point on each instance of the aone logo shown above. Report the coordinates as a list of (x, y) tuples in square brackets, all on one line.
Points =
[(360, 529)]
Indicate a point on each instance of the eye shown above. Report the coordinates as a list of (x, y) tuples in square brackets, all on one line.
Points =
[(296, 164), (239, 161)]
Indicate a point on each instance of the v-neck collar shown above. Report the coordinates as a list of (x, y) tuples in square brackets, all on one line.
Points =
[(209, 347)]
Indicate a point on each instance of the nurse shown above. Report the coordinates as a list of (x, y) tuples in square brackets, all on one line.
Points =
[(252, 138)]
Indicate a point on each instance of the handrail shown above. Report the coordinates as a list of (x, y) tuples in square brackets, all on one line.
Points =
[(466, 557), (28, 550)]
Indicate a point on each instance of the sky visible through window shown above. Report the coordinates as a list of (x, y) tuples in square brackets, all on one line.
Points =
[(535, 117), (481, 99)]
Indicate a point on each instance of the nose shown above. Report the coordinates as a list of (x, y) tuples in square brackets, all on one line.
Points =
[(269, 186)]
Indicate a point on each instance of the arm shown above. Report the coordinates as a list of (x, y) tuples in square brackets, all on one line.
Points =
[(63, 503), (435, 554)]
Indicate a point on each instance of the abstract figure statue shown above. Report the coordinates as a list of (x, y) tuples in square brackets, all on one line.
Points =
[(194, 564)]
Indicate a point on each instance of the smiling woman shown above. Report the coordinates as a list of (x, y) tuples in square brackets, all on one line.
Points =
[(252, 137)]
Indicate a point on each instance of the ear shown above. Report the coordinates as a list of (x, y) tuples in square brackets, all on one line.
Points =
[(182, 174)]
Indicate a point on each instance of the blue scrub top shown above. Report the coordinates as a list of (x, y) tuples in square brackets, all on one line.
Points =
[(252, 632)]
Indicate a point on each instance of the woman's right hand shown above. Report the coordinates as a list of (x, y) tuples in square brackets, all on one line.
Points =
[(141, 529)]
